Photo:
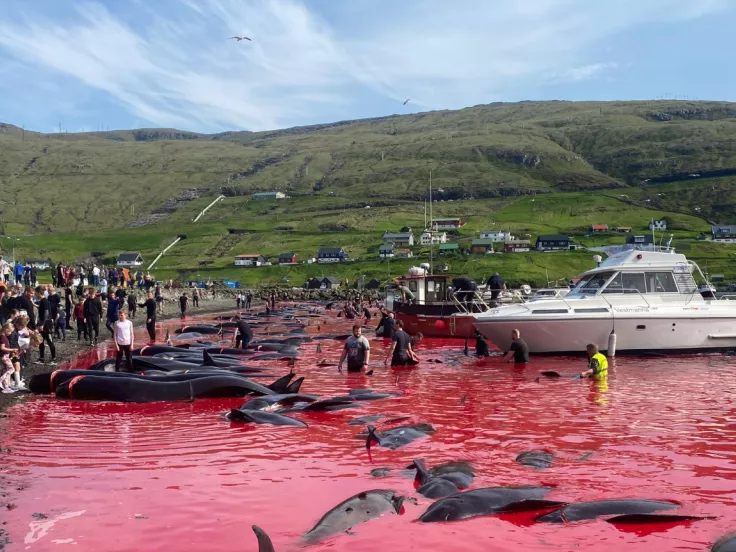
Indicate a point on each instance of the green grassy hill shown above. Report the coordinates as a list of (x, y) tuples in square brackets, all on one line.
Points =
[(532, 167)]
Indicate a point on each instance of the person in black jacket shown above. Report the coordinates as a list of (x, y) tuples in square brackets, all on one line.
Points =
[(54, 303), (25, 302), (45, 324), (68, 305), (150, 305), (92, 314)]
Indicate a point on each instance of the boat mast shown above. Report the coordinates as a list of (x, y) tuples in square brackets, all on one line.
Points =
[(431, 223)]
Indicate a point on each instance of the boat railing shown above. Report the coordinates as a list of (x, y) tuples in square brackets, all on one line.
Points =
[(476, 299), (726, 296), (626, 290)]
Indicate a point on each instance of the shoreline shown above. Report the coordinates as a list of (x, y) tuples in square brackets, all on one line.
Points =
[(67, 350)]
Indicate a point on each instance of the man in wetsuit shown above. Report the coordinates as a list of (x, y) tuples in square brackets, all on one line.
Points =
[(400, 352), (92, 314), (45, 325), (150, 305), (518, 351), (597, 363), (183, 302), (244, 334), (114, 305), (357, 350)]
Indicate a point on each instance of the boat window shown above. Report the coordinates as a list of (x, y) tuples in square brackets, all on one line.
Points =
[(430, 286), (550, 311), (412, 285), (593, 282), (627, 282), (661, 282), (601, 309)]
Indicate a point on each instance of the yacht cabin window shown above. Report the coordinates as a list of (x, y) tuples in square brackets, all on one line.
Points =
[(661, 282), (627, 282), (592, 283)]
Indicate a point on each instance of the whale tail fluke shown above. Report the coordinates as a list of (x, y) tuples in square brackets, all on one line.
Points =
[(264, 541)]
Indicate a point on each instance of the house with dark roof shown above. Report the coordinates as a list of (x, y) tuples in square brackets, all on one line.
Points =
[(288, 258), (331, 255), (386, 251), (373, 284), (129, 259), (552, 242), (725, 234), (517, 246), (642, 239), (330, 282), (249, 260), (399, 238)]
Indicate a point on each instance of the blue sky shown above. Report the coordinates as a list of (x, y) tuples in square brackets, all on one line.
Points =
[(168, 63)]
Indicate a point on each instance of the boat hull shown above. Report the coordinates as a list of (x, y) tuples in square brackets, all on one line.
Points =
[(454, 326), (638, 334)]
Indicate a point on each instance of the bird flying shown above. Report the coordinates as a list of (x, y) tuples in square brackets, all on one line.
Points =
[(406, 101), (239, 38)]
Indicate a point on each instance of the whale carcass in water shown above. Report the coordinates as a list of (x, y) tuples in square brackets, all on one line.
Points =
[(433, 483), (397, 436), (262, 417), (591, 510), (355, 510), (727, 543), (488, 501), (539, 459), (264, 542)]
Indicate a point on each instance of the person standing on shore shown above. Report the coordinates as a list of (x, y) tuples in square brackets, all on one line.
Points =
[(68, 304), (183, 303), (150, 305), (79, 319), (195, 297), (92, 314), (124, 340), (248, 300), (132, 305), (45, 326), (113, 307), (237, 300), (244, 334)]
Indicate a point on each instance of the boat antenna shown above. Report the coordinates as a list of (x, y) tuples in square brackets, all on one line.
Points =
[(431, 224)]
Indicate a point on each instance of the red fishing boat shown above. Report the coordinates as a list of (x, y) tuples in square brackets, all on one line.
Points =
[(432, 311)]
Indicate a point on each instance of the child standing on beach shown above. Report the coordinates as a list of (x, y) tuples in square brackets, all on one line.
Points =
[(6, 365)]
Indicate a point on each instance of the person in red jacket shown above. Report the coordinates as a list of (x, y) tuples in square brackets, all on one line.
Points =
[(79, 319)]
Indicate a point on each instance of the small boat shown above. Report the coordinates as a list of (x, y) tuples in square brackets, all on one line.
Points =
[(635, 301), (435, 310)]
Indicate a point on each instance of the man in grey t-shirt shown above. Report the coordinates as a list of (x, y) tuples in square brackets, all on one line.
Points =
[(357, 350)]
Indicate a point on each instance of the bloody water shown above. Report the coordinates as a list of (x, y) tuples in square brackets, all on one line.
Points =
[(162, 477)]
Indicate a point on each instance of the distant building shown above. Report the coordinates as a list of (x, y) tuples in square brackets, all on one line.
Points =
[(288, 258), (517, 246), (658, 225), (249, 260), (599, 227), (432, 237), (496, 236), (330, 283), (552, 242), (129, 259), (447, 224), (399, 238), (449, 248), (481, 247), (724, 234), (269, 195), (41, 264), (623, 229), (373, 284), (404, 253), (644, 239), (331, 255), (386, 251)]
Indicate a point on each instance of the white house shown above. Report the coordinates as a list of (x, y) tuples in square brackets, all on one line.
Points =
[(399, 238), (129, 259), (41, 264), (269, 195), (496, 236), (249, 260), (658, 224), (433, 237), (447, 224)]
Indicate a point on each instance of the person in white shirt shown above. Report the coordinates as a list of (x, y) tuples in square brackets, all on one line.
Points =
[(95, 276), (123, 340), (4, 271)]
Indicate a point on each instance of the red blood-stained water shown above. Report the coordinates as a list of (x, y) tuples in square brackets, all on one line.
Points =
[(162, 477)]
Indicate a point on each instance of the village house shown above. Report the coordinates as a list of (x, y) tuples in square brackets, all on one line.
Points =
[(623, 229), (404, 253), (643, 240), (517, 246), (447, 224), (129, 259), (658, 225), (599, 228), (331, 255), (249, 260), (288, 258), (496, 236), (41, 264), (481, 247), (432, 237), (269, 195), (373, 284), (330, 282), (552, 242), (449, 248), (399, 238), (724, 234), (386, 251)]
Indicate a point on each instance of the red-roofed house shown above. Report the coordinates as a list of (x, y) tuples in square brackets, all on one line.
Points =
[(249, 260), (599, 227)]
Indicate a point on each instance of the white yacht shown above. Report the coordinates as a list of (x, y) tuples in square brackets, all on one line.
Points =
[(648, 300)]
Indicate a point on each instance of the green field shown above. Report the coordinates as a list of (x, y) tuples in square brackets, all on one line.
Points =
[(530, 167)]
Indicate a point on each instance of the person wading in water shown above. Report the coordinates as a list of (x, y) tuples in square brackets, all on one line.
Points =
[(357, 350), (400, 352)]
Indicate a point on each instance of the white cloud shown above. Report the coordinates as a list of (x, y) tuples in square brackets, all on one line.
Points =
[(175, 66)]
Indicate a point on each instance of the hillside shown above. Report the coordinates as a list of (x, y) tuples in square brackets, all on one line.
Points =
[(533, 168), (105, 180)]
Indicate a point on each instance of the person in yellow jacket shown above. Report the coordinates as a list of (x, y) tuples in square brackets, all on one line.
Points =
[(597, 363)]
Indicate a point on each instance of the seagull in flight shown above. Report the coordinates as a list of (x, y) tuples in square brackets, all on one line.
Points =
[(406, 101), (239, 38)]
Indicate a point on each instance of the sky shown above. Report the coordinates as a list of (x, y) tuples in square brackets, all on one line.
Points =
[(118, 64)]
